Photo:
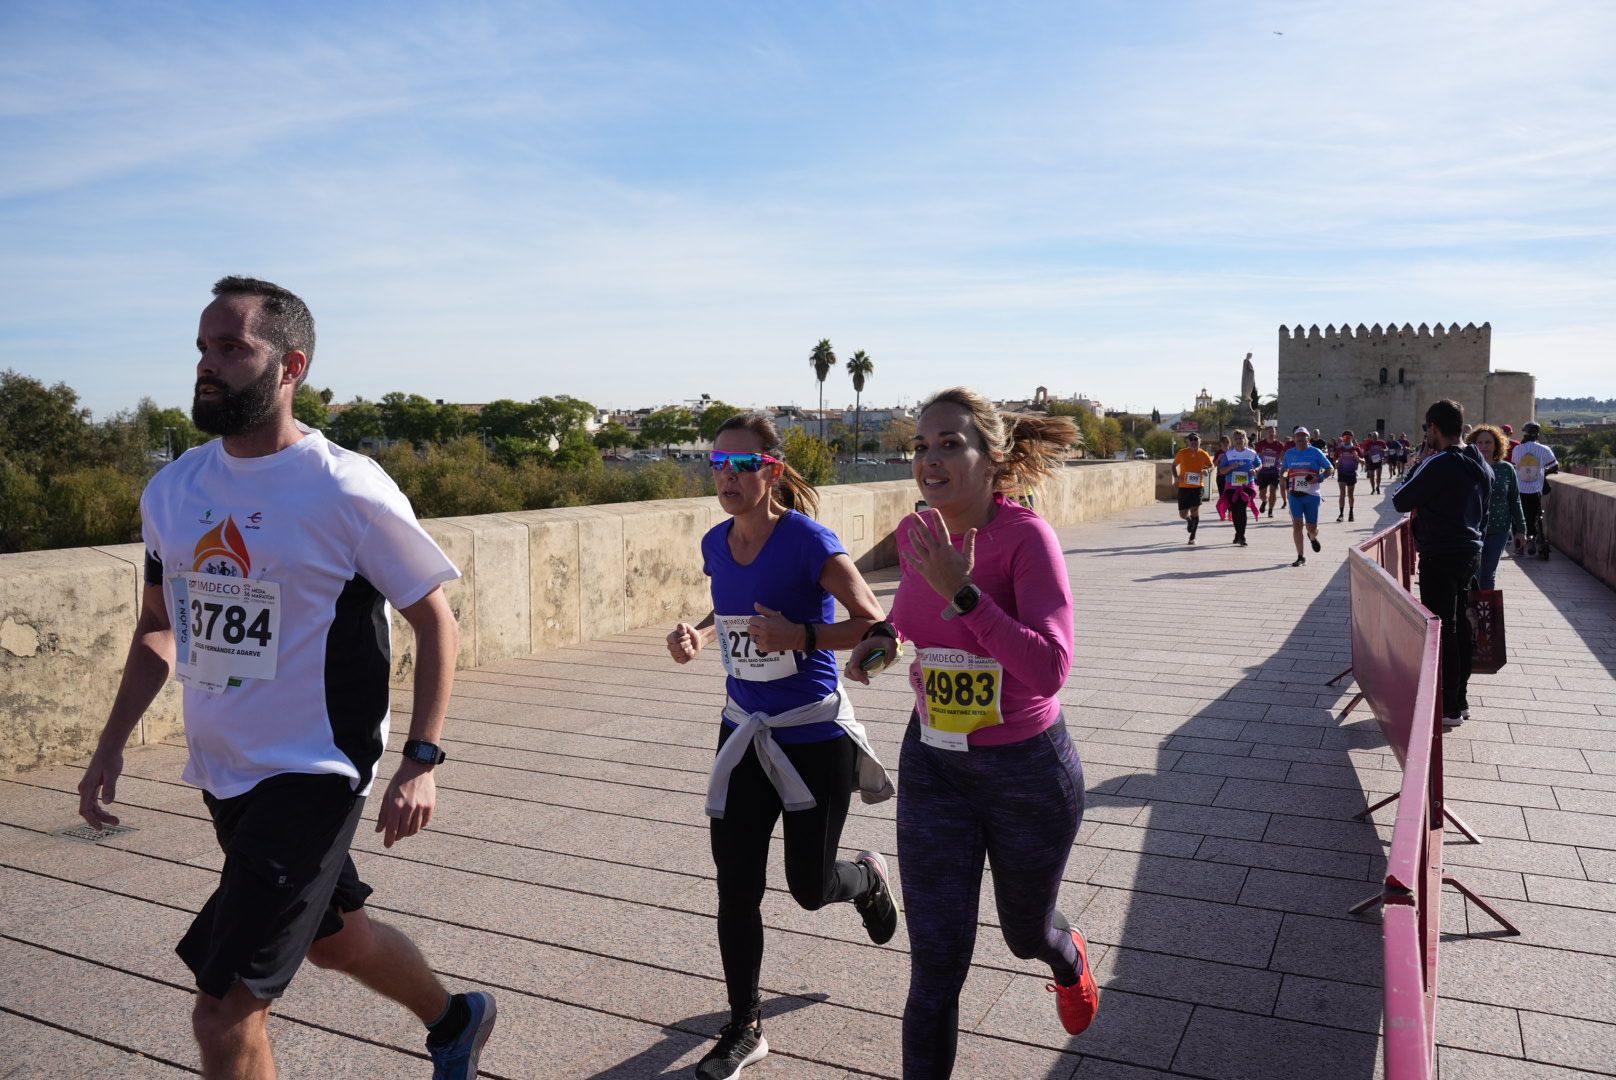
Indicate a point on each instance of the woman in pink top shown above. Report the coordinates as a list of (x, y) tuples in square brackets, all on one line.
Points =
[(986, 770)]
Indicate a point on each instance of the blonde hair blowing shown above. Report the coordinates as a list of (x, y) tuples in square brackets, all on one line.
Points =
[(1027, 447)]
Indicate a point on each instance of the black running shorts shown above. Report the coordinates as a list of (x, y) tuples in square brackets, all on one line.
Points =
[(1267, 477), (1347, 480), (1189, 498), (287, 880)]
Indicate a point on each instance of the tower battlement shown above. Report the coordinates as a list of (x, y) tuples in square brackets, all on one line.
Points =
[(1390, 331)]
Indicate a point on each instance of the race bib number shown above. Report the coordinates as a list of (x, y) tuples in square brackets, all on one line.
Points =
[(1239, 479), (744, 660), (1374, 457), (1270, 460), (1192, 479), (956, 693), (1305, 485), (226, 629)]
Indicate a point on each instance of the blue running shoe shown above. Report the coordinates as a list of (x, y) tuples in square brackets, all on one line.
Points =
[(458, 1060)]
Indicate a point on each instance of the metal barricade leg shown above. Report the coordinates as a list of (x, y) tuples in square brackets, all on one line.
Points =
[(1464, 890)]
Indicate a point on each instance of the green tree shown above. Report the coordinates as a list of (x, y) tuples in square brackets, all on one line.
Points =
[(357, 421), (1159, 444), (613, 436), (822, 359), (169, 430), (409, 417), (861, 367), (21, 507), (712, 418), (506, 418), (899, 436), (1591, 449), (95, 505), (810, 456), (41, 425), (667, 426), (557, 417), (309, 407)]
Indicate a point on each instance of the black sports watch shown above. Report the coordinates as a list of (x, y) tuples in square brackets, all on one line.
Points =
[(964, 601), (424, 753)]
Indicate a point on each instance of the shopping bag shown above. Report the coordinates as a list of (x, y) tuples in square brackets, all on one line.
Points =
[(1485, 610)]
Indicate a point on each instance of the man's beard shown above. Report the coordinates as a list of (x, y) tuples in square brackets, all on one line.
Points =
[(237, 412)]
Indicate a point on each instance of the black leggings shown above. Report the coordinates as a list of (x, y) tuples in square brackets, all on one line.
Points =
[(1532, 507), (814, 875)]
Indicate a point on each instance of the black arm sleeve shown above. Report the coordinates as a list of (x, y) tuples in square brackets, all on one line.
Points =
[(154, 569)]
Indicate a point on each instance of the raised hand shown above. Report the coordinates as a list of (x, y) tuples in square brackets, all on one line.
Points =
[(932, 554)]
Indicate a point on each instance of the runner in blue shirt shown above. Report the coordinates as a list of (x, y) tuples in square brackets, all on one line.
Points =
[(1304, 466), (790, 746)]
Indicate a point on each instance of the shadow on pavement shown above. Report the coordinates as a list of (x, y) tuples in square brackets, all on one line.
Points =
[(681, 1038)]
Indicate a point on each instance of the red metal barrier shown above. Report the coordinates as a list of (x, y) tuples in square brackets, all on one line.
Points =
[(1396, 659)]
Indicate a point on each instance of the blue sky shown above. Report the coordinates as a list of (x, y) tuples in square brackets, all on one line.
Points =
[(636, 203)]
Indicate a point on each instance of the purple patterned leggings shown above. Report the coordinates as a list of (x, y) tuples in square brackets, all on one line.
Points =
[(1018, 806)]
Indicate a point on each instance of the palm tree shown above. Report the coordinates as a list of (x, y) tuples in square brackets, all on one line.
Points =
[(823, 358), (861, 367)]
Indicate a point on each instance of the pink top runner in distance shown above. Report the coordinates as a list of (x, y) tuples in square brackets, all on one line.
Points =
[(1024, 620)]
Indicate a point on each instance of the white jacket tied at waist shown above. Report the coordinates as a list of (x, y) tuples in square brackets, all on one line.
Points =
[(757, 729)]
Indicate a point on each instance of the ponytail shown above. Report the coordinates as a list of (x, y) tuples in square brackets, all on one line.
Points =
[(1037, 446)]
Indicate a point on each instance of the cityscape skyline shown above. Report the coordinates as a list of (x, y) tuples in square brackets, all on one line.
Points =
[(582, 199)]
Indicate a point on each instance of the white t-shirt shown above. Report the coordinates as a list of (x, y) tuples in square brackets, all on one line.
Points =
[(330, 535), (1531, 459)]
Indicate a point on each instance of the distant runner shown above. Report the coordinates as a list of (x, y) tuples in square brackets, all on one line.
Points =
[(1190, 467), (1270, 450), (1374, 452), (1305, 466), (1347, 457), (1237, 467)]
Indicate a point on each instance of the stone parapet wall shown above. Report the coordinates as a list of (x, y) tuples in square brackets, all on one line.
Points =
[(531, 581), (1581, 514)]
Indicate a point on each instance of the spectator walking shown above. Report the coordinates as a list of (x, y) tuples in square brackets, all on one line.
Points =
[(1534, 464), (1448, 492), (1504, 514)]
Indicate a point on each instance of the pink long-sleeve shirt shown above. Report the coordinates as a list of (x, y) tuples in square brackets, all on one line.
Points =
[(1024, 620)]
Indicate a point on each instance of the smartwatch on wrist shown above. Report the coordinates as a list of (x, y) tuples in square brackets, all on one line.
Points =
[(424, 753), (964, 601)]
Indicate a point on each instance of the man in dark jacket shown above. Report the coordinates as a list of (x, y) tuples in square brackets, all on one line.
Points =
[(1448, 493)]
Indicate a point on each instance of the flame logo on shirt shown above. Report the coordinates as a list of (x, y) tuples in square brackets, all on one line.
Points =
[(223, 551)]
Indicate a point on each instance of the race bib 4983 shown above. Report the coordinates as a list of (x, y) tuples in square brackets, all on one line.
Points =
[(226, 629), (956, 693)]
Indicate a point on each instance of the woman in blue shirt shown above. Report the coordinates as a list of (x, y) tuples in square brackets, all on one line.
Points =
[(789, 744)]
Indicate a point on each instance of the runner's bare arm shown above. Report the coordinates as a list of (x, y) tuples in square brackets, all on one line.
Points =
[(149, 664), (843, 581), (411, 796)]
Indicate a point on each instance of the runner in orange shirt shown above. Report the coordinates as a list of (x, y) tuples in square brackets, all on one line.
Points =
[(1190, 468)]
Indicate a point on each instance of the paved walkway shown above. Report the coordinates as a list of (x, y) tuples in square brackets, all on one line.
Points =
[(568, 866)]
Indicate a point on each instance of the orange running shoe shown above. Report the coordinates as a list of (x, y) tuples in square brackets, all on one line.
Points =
[(1078, 1003)]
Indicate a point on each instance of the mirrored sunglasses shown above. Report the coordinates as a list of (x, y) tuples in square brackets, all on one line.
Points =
[(741, 463)]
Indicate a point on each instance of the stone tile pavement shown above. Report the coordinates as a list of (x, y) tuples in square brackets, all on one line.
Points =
[(568, 866)]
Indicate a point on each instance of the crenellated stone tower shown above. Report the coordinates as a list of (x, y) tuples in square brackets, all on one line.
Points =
[(1374, 379)]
